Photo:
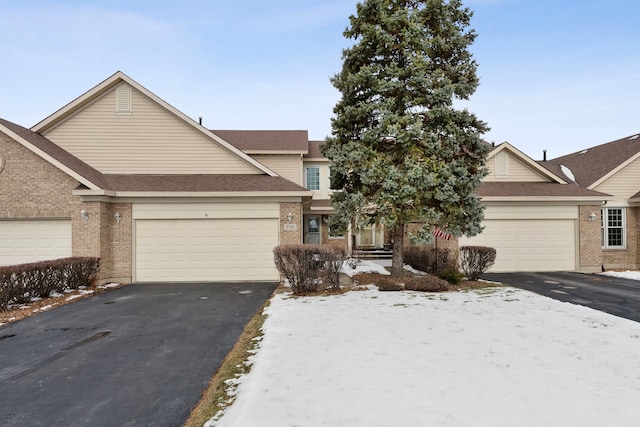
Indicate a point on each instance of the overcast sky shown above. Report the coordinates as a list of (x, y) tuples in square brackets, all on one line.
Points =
[(560, 75)]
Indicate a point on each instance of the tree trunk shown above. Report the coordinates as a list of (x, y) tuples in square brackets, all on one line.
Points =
[(398, 248)]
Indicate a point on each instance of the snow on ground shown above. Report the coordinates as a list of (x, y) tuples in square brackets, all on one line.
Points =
[(633, 275), (493, 357)]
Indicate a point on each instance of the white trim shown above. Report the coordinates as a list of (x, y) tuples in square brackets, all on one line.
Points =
[(604, 227), (527, 160)]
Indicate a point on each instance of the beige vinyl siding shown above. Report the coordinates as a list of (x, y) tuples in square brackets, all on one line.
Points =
[(146, 141), (287, 166), (516, 170), (624, 183)]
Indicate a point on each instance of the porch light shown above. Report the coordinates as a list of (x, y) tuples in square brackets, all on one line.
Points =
[(84, 215), (118, 217), (591, 217), (289, 216)]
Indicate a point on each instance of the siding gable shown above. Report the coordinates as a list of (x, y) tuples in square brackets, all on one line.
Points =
[(505, 166), (148, 139), (625, 183)]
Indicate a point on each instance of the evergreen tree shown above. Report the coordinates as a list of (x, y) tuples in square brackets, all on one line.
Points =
[(400, 151)]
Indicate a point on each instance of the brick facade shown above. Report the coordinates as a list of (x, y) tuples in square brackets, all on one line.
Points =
[(31, 188), (616, 259), (590, 237), (291, 232)]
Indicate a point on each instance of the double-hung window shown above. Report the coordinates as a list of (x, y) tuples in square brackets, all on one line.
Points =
[(312, 178), (613, 228)]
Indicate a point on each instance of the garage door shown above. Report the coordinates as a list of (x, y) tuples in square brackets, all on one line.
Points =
[(34, 240), (529, 245), (197, 250)]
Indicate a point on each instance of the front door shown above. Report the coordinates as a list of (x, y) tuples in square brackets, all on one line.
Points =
[(312, 230)]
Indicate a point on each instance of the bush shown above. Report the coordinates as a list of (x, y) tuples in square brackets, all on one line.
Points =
[(386, 283), (428, 259), (475, 260), (19, 284), (309, 268), (452, 276), (426, 283)]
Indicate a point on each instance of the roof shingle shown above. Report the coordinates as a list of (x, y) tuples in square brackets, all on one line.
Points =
[(266, 140)]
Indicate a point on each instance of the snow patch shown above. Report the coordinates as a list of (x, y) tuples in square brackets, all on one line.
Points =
[(629, 274), (567, 172), (483, 358)]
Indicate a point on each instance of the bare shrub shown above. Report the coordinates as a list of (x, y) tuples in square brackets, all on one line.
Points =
[(309, 268), (428, 259), (475, 260), (426, 283)]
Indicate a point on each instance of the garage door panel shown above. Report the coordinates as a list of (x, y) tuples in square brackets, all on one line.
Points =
[(34, 240), (205, 249), (529, 245)]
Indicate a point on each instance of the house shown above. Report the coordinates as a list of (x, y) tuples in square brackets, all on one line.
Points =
[(536, 217), (120, 174)]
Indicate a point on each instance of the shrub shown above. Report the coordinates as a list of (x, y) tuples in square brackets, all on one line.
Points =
[(385, 283), (451, 275), (427, 283), (428, 259), (21, 283), (475, 260), (309, 268)]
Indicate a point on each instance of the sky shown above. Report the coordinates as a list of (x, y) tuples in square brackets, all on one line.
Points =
[(554, 75)]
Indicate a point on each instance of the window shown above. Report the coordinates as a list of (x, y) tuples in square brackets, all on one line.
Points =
[(313, 178), (613, 224)]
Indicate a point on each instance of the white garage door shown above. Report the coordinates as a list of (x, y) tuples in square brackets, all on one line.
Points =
[(34, 240), (529, 245), (198, 250)]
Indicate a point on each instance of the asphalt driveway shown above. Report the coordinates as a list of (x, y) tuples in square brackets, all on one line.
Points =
[(140, 355), (620, 297)]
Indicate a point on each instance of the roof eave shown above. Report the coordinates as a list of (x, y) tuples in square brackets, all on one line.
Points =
[(81, 179)]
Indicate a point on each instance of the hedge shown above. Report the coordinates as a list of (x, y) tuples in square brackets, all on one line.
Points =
[(21, 283)]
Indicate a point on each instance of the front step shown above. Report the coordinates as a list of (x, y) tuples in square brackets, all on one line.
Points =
[(373, 253)]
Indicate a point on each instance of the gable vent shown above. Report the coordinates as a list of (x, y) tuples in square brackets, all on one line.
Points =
[(634, 137), (123, 99), (502, 164)]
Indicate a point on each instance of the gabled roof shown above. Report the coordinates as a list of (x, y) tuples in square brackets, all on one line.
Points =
[(119, 77), (92, 182), (592, 166), (267, 141), (201, 183), (314, 151), (55, 155), (545, 172), (537, 191)]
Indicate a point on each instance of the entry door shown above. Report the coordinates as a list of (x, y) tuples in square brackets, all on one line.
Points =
[(312, 230)]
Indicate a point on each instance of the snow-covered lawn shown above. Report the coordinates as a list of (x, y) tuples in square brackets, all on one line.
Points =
[(492, 357)]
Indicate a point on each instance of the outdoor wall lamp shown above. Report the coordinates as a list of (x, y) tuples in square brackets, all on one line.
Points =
[(118, 217), (591, 217), (289, 216), (84, 215)]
